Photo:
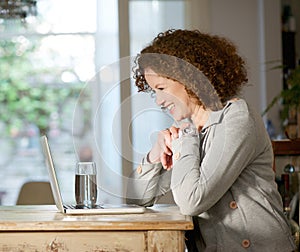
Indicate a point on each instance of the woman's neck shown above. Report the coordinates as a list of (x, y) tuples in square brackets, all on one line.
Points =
[(200, 117)]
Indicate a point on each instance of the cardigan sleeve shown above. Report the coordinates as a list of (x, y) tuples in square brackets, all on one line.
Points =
[(198, 185), (147, 183)]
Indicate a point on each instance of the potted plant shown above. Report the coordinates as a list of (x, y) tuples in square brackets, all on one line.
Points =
[(290, 100)]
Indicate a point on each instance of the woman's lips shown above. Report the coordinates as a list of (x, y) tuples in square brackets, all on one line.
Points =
[(168, 108)]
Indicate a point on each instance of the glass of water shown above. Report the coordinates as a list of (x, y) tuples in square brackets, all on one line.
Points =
[(86, 184)]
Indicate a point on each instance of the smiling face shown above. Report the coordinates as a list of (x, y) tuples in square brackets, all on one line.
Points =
[(171, 94)]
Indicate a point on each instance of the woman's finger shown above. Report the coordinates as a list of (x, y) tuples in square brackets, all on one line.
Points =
[(166, 160), (167, 137), (174, 132)]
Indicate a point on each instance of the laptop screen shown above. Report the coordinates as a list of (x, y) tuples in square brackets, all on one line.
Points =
[(52, 173)]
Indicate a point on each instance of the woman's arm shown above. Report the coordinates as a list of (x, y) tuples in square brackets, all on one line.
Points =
[(198, 186), (147, 183), (152, 178)]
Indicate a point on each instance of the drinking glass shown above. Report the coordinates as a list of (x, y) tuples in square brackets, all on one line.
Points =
[(86, 184)]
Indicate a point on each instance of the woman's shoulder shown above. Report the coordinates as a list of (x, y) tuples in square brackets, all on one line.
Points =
[(241, 113), (235, 111), (237, 107), (239, 110), (237, 104)]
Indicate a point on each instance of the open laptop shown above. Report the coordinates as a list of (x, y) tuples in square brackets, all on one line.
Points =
[(73, 209)]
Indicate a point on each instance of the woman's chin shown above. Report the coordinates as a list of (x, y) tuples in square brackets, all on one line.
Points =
[(178, 117)]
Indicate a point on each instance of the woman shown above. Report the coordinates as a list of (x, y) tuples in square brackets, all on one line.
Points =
[(217, 157)]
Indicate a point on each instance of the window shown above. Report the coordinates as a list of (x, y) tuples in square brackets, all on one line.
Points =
[(73, 51), (44, 65)]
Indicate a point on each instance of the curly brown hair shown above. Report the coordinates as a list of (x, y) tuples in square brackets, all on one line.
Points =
[(180, 54)]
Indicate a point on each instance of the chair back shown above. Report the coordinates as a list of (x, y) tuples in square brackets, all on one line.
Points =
[(35, 193)]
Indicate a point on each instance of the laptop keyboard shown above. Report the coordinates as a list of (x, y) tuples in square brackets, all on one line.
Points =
[(82, 207)]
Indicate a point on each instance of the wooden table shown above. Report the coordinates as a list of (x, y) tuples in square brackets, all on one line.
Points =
[(43, 228), (286, 147)]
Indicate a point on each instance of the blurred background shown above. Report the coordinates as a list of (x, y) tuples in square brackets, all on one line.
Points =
[(60, 75)]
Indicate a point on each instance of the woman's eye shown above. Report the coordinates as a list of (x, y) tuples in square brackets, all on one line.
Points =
[(161, 89)]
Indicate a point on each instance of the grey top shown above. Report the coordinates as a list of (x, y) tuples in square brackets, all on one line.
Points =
[(225, 179)]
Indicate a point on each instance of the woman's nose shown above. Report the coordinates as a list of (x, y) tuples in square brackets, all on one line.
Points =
[(159, 99)]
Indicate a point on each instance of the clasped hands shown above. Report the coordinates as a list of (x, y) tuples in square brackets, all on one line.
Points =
[(162, 149)]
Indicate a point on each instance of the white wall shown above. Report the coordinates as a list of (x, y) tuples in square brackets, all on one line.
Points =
[(254, 26), (273, 51)]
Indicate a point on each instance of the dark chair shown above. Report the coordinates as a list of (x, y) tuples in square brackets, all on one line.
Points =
[(35, 193)]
